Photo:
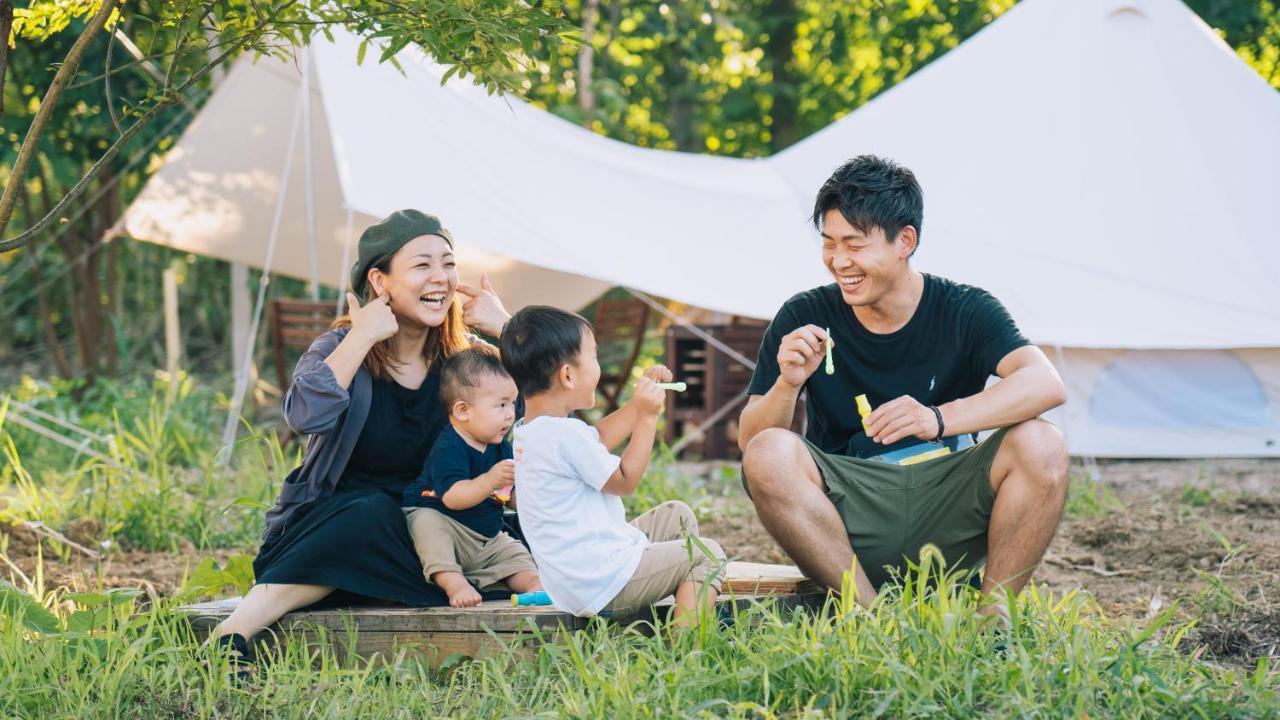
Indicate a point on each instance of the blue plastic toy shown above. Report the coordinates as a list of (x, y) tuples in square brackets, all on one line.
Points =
[(538, 597)]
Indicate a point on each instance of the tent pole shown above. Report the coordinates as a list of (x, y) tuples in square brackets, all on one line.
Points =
[(309, 175), (264, 280), (711, 340), (697, 331), (1090, 463), (172, 331), (696, 434), (240, 317), (347, 242)]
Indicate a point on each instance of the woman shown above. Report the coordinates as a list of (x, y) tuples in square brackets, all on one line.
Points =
[(367, 393)]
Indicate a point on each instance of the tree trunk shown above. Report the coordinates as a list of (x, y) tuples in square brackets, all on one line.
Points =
[(780, 23), (50, 333), (6, 22), (586, 56), (72, 277), (112, 316), (110, 212)]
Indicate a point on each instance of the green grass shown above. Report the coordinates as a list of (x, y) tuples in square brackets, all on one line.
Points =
[(157, 484), (1088, 497), (917, 653)]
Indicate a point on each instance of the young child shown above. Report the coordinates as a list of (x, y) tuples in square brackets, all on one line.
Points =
[(455, 507), (589, 557)]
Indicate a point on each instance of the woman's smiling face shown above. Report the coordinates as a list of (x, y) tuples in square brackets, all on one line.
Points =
[(420, 282)]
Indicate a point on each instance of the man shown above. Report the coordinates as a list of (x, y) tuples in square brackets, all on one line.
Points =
[(922, 349)]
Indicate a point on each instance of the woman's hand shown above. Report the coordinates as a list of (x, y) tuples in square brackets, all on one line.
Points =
[(374, 322), (483, 309)]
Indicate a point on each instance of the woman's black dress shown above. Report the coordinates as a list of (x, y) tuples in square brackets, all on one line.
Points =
[(356, 540)]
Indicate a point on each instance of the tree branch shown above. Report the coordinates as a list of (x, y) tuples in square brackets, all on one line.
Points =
[(106, 86), (60, 80), (78, 189)]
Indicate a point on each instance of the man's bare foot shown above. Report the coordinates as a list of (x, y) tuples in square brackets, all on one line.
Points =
[(461, 593), (994, 615)]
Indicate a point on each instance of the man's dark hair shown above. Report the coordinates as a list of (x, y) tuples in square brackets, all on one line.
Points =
[(873, 192), (537, 342), (462, 372)]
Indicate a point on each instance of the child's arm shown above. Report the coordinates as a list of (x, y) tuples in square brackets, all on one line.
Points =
[(617, 425), (465, 494), (647, 404)]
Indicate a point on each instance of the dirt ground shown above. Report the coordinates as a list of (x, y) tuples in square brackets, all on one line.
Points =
[(30, 554), (1204, 534)]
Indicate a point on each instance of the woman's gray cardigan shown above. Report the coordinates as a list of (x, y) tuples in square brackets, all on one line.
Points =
[(317, 406)]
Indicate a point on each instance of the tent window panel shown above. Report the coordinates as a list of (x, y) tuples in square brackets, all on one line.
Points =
[(1180, 389)]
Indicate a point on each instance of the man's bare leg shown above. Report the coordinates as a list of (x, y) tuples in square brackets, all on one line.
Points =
[(788, 493), (1029, 478)]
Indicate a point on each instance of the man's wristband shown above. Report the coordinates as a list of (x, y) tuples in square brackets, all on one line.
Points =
[(941, 426)]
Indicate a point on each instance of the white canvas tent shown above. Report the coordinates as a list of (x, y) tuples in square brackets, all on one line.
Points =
[(1106, 167)]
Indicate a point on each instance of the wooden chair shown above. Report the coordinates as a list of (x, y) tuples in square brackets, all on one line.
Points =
[(294, 324), (619, 327)]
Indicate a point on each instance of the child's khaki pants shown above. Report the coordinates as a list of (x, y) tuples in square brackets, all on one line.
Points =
[(674, 557), (446, 545)]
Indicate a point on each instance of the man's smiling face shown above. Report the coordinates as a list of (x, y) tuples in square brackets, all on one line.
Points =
[(865, 265)]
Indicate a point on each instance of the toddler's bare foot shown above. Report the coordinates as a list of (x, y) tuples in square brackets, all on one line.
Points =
[(461, 593), (464, 597)]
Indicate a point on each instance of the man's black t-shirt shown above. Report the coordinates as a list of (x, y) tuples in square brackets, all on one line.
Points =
[(947, 350)]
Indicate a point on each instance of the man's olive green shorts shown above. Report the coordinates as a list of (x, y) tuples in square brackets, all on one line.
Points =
[(891, 511)]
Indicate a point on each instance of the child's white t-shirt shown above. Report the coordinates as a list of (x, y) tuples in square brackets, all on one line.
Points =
[(584, 547)]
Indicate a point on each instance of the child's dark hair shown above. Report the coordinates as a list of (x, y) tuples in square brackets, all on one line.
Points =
[(463, 370), (537, 342), (873, 192)]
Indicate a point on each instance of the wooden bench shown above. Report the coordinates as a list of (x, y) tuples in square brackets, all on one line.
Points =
[(435, 634)]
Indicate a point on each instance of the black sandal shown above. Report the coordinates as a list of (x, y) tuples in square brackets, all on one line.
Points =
[(236, 649)]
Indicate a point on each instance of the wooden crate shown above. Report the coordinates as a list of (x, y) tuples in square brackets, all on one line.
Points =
[(434, 634)]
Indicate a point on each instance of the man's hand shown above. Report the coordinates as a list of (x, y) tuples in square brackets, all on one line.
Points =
[(374, 322), (482, 309), (648, 398), (501, 475), (659, 374), (800, 353), (900, 418)]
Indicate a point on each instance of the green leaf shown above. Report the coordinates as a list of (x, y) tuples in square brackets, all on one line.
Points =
[(89, 620), (18, 605), (245, 501), (86, 600)]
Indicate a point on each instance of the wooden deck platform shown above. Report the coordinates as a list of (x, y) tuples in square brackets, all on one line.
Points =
[(437, 633)]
